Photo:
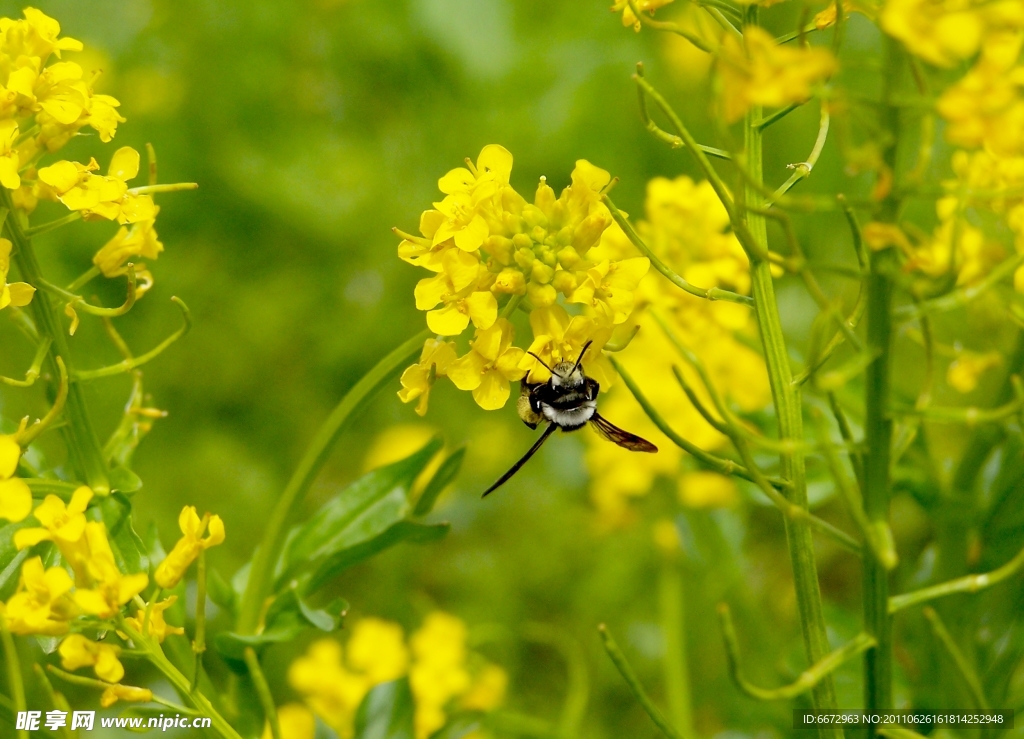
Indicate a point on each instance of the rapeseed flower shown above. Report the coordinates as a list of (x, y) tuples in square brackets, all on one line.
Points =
[(41, 605), (157, 627), (17, 294), (629, 17), (98, 196), (139, 241), (109, 589), (187, 548), (77, 651), (489, 366), (754, 70), (418, 379), (64, 525), (118, 692), (295, 721), (947, 32), (15, 496)]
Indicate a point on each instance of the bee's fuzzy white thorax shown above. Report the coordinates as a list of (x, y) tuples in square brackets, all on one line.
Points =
[(570, 418), (565, 376)]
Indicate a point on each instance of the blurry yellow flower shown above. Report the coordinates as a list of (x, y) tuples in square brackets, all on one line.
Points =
[(880, 236), (438, 672), (64, 525), (15, 496), (41, 604), (487, 368), (629, 18), (158, 626), (757, 71), (704, 489), (141, 240), (98, 196), (986, 107), (77, 651), (487, 691), (327, 686), (966, 370), (115, 693), (417, 380), (946, 32), (827, 17), (377, 650), (188, 547), (110, 588), (17, 294), (609, 287), (296, 722)]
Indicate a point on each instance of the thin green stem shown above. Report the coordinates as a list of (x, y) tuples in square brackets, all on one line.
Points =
[(55, 224), (778, 115), (624, 668), (32, 373), (803, 169), (199, 643), (808, 679), (154, 189), (963, 666), (14, 681), (674, 661), (259, 681), (258, 586), (80, 435), (714, 293), (79, 303), (966, 584)]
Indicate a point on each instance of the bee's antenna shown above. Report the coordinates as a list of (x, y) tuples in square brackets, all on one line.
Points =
[(542, 362), (580, 358)]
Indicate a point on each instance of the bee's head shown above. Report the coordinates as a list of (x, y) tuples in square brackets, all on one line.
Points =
[(567, 374)]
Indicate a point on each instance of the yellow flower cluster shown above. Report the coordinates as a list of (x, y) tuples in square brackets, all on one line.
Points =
[(754, 70), (687, 226), (484, 241), (15, 496), (946, 32), (334, 680)]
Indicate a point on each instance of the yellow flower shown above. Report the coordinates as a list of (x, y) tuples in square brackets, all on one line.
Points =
[(15, 496), (18, 294), (377, 650), (966, 370), (629, 18), (9, 159), (559, 338), (64, 525), (488, 367), (460, 307), (946, 32), (157, 627), (296, 722), (98, 196), (188, 547), (704, 489), (438, 672), (125, 693), (986, 108), (110, 589), (418, 379), (487, 691), (328, 687), (609, 287), (141, 240), (41, 604), (757, 71), (77, 651), (36, 36)]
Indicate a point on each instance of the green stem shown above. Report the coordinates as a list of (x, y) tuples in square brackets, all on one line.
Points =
[(808, 678), (258, 586), (14, 681), (673, 626), (263, 691), (958, 657), (967, 584), (80, 436), (787, 399), (199, 643), (624, 668)]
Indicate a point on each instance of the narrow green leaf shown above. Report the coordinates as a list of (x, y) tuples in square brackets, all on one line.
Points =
[(128, 547), (124, 480), (445, 474), (386, 712)]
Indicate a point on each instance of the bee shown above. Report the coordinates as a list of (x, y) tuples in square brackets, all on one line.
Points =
[(567, 401)]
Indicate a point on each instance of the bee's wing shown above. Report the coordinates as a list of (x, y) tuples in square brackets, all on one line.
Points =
[(515, 468), (623, 438)]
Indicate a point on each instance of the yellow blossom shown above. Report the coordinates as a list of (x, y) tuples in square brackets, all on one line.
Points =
[(460, 305), (328, 687), (418, 379), (110, 589), (296, 722), (609, 287), (9, 159), (41, 604), (629, 17), (64, 525), (438, 671), (966, 370), (17, 294), (157, 627), (15, 496), (188, 547), (559, 338), (115, 693), (77, 651), (489, 366), (141, 241), (98, 196), (377, 650), (755, 70), (946, 32)]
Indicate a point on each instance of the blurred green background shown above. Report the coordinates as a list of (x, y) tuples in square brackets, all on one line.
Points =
[(313, 127)]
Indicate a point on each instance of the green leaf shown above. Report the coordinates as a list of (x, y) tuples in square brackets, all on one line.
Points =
[(124, 480), (386, 712), (410, 531), (128, 547), (287, 618), (10, 558), (445, 474), (220, 591), (361, 512)]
